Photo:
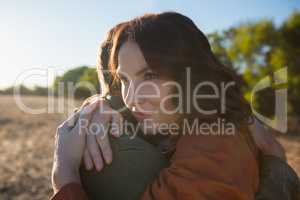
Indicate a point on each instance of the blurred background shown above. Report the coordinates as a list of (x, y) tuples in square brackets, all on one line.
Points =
[(44, 43)]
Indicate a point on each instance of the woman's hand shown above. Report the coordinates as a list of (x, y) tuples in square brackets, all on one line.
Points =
[(265, 141), (102, 119), (69, 147)]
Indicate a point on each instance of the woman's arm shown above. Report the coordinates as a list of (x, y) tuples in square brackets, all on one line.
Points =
[(265, 140), (67, 158), (207, 167), (74, 142), (277, 180), (71, 191), (69, 147)]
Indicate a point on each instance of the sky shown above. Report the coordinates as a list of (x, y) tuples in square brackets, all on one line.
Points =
[(56, 35)]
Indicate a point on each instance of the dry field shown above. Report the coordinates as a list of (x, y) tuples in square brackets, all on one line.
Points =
[(26, 143)]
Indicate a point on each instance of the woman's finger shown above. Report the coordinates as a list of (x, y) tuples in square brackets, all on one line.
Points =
[(68, 124), (90, 105), (72, 120), (99, 127), (100, 124), (104, 144), (88, 162), (116, 124), (90, 100), (85, 116), (94, 151), (87, 101), (91, 145)]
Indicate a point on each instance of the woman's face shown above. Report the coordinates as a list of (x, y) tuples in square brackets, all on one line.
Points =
[(144, 91)]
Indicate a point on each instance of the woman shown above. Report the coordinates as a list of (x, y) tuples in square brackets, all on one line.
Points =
[(152, 51)]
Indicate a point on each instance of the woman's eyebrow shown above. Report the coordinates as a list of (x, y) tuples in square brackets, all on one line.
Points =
[(141, 71)]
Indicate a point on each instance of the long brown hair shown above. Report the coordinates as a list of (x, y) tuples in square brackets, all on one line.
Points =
[(108, 86), (170, 43)]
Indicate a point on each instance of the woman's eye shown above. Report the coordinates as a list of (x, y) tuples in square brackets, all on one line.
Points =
[(150, 76)]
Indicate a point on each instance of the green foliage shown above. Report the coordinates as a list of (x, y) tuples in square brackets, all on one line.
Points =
[(79, 82), (70, 77), (257, 50), (90, 75), (23, 90)]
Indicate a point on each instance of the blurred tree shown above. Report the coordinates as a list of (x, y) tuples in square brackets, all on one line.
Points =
[(41, 91), (89, 83), (90, 75), (79, 82), (72, 76), (83, 80), (258, 49)]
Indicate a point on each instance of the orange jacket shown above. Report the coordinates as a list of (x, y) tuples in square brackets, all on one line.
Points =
[(203, 167)]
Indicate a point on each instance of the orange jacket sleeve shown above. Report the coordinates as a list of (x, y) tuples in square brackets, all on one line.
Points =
[(71, 191), (208, 168)]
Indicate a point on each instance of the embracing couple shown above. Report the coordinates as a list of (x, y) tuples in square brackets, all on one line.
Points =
[(196, 137)]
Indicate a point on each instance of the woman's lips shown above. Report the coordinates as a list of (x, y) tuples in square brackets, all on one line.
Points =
[(140, 115)]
